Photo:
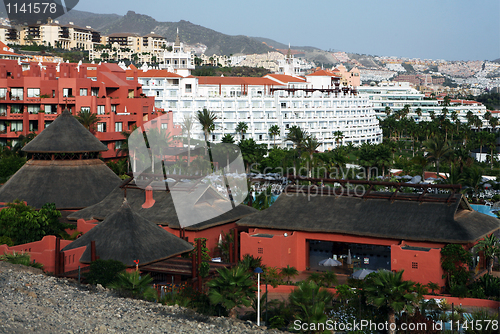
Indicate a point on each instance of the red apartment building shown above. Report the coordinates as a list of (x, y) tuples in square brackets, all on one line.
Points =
[(32, 95)]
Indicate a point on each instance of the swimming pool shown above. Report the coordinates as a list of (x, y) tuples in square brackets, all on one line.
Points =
[(483, 209)]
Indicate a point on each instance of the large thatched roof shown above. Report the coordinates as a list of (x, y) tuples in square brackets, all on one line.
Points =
[(381, 218), (70, 184), (65, 135), (163, 212), (126, 236)]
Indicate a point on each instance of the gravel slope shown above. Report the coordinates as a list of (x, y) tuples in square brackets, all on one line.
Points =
[(31, 302)]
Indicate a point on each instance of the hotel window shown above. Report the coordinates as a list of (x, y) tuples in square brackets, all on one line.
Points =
[(85, 109), (188, 88), (164, 126), (16, 126), (113, 108), (67, 92), (33, 92), (83, 91), (414, 265), (16, 109), (260, 250), (100, 110), (50, 109), (118, 127), (33, 108), (118, 144), (101, 127), (3, 109), (94, 91), (16, 93), (3, 93)]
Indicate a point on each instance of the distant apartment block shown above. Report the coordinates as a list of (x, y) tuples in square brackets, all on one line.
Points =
[(396, 95), (127, 46), (52, 33)]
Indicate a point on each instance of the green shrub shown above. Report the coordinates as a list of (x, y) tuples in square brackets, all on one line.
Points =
[(104, 272), (4, 240), (134, 285), (20, 258), (23, 224)]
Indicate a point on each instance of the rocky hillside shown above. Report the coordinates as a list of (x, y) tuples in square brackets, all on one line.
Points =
[(190, 33), (32, 302)]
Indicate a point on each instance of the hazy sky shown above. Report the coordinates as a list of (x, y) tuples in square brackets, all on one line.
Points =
[(432, 29)]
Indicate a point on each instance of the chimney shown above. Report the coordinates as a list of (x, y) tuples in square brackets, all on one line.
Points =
[(149, 198)]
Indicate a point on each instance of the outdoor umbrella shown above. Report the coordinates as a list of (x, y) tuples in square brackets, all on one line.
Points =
[(361, 274), (349, 258), (330, 263)]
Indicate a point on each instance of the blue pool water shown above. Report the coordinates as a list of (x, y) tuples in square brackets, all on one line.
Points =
[(483, 209)]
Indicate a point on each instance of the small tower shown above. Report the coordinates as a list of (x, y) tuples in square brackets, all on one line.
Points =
[(178, 61)]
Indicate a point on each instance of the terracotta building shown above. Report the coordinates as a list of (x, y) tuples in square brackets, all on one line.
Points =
[(391, 231), (32, 95)]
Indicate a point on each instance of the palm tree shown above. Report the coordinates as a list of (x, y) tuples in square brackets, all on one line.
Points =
[(473, 179), (310, 145), (207, 121), (228, 139), (187, 125), (134, 285), (329, 278), (87, 119), (493, 123), (274, 131), (387, 110), (232, 288), (433, 286), (437, 149), (339, 135), (490, 246), (418, 111), (390, 293), (241, 128), (296, 135), (311, 302), (289, 272)]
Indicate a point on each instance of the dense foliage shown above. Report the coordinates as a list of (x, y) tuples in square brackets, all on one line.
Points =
[(23, 224)]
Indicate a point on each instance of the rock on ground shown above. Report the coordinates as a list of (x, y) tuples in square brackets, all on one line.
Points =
[(32, 302)]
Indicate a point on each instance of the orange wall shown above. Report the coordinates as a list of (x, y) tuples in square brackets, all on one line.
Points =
[(211, 234), (42, 251), (280, 251), (428, 265)]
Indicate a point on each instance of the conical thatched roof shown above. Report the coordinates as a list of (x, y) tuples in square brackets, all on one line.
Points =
[(70, 184), (125, 236), (65, 135)]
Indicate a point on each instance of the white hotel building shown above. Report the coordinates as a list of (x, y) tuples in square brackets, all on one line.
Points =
[(318, 103), (396, 95)]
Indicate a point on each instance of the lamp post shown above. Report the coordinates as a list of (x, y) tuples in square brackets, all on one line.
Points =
[(258, 271)]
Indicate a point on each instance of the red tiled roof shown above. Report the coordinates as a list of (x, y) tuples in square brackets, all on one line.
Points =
[(286, 78), (5, 50), (324, 73)]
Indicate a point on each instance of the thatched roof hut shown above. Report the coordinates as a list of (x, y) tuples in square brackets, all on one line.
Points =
[(206, 207), (64, 168), (126, 236), (404, 219)]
